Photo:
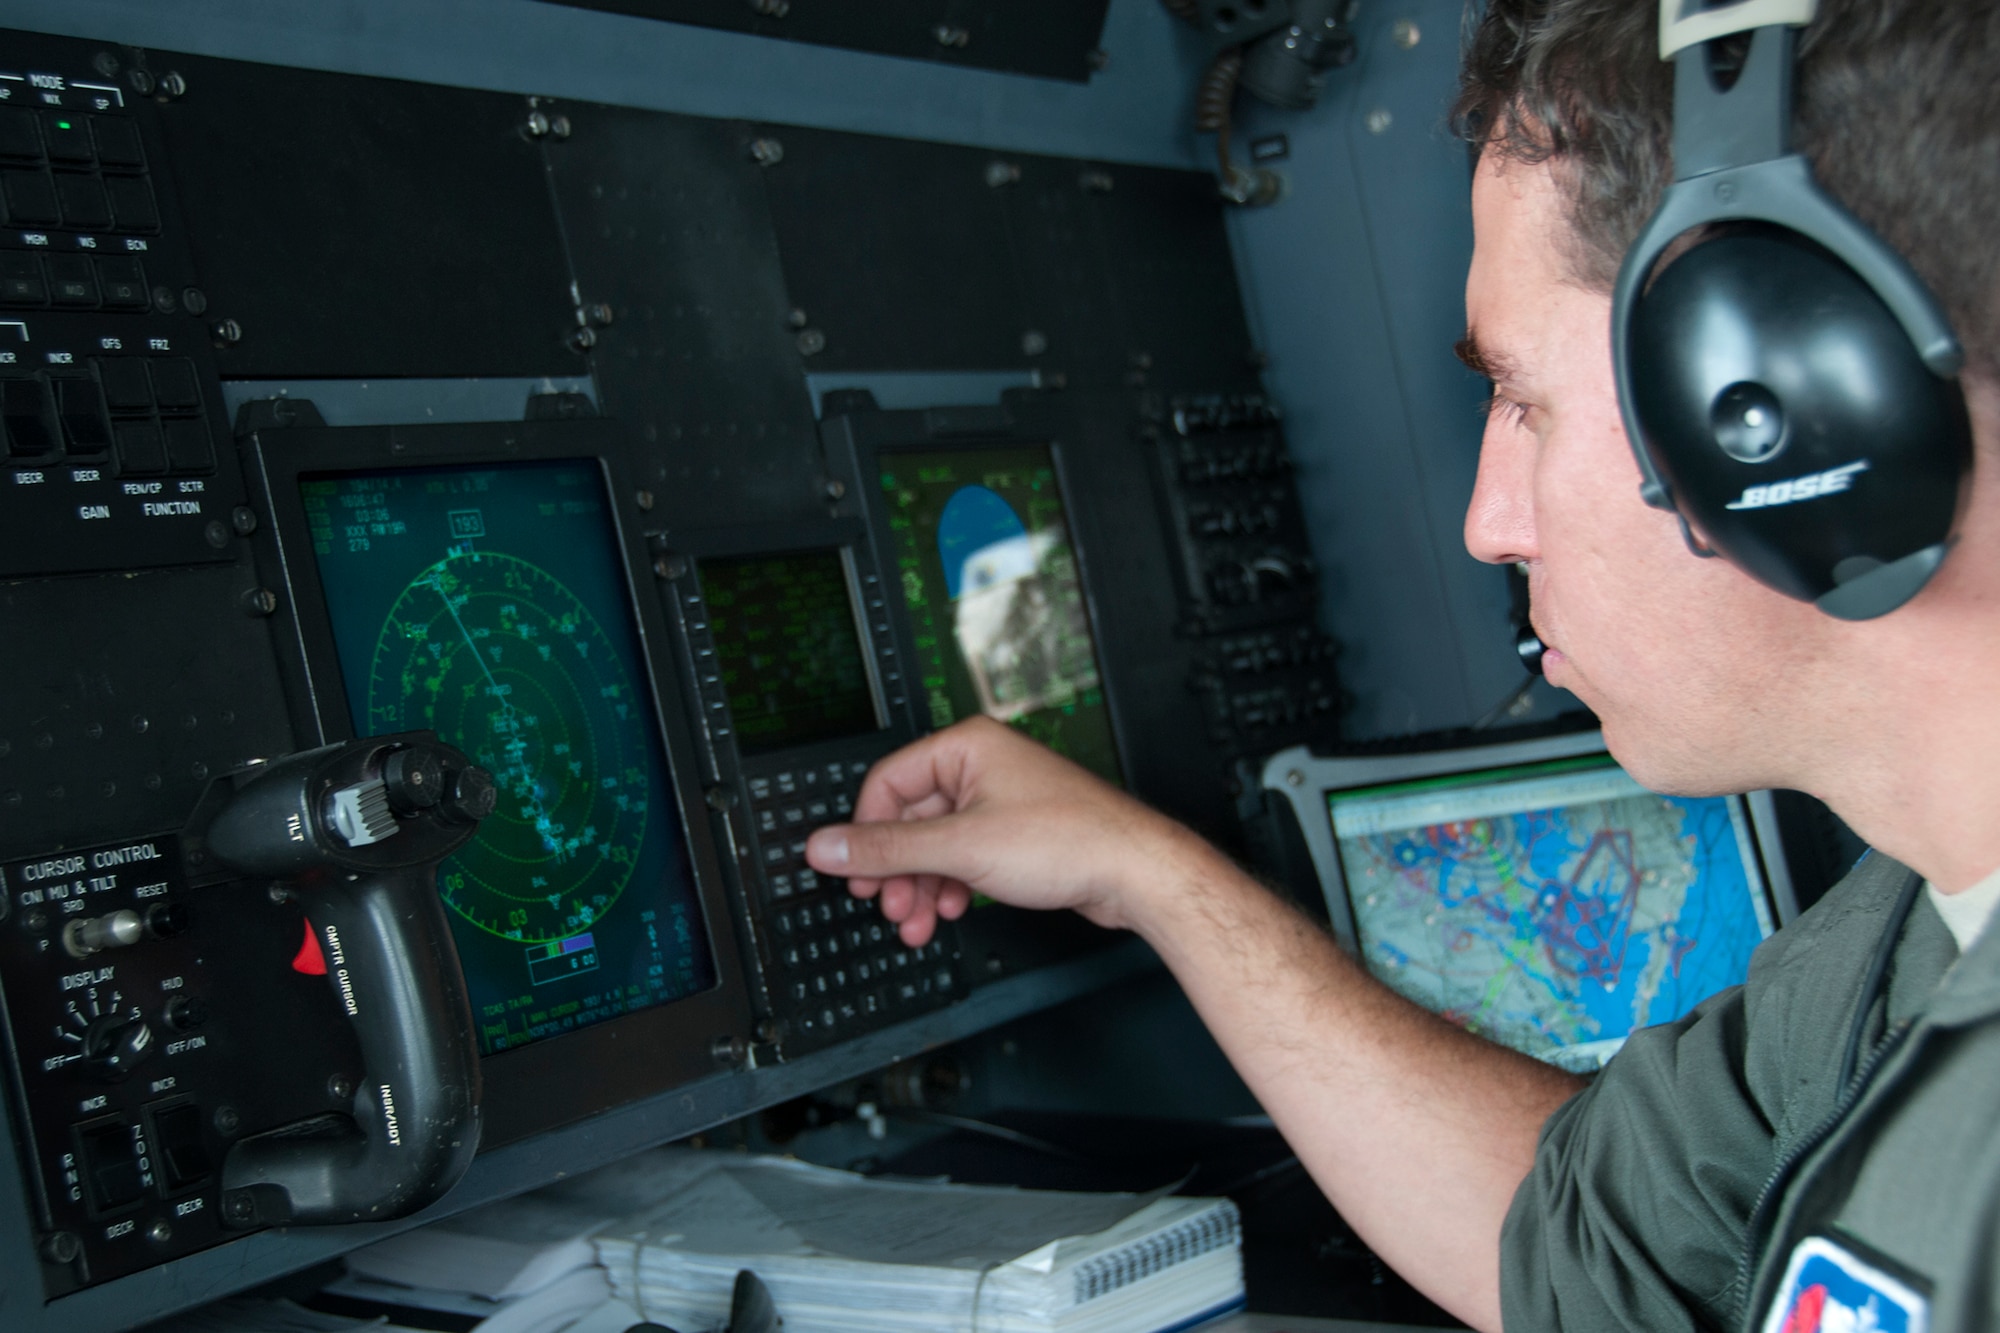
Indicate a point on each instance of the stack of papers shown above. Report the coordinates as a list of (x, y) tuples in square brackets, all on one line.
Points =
[(523, 1265), (842, 1253)]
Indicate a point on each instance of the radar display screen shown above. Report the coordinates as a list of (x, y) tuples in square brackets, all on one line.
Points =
[(990, 583), (789, 649), (1553, 907), (488, 604)]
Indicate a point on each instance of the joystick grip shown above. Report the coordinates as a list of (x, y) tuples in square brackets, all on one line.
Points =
[(361, 854)]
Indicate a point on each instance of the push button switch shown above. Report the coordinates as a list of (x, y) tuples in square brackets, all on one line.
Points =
[(174, 383), (141, 450), (19, 135), (126, 386), (80, 404), (22, 281), (72, 281), (123, 282), (84, 203), (31, 196), (132, 203), (188, 447), (110, 1156), (29, 418), (68, 137), (117, 142)]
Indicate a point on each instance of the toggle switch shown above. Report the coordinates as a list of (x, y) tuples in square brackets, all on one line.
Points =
[(95, 934)]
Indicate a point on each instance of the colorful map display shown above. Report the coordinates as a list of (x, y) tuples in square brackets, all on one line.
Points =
[(1555, 908)]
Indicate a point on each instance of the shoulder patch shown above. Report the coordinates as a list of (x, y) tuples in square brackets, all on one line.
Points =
[(1827, 1289)]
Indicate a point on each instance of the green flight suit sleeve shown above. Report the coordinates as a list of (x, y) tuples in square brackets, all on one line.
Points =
[(1634, 1213)]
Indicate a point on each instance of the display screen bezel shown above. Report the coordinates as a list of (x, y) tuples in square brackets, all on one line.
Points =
[(1308, 782), (850, 581), (1464, 793), (870, 457), (555, 1080)]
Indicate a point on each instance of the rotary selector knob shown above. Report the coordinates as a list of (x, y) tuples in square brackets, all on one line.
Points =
[(116, 1043)]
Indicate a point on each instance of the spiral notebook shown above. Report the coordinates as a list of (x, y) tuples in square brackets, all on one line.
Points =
[(842, 1253)]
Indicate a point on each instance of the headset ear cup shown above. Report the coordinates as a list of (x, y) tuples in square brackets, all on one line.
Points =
[(1791, 418)]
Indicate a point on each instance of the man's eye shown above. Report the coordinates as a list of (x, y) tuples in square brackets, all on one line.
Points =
[(1506, 409)]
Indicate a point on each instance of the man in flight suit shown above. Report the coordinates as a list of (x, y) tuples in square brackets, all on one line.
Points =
[(1820, 1140)]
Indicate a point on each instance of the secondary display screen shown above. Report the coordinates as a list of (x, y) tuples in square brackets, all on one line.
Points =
[(989, 579), (489, 604), (788, 649), (1555, 907)]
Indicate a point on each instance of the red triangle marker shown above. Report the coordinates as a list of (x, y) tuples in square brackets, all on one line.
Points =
[(309, 960)]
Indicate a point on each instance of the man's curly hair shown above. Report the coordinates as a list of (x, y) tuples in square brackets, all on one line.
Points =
[(1898, 109)]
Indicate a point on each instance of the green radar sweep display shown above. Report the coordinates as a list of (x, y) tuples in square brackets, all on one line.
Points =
[(990, 583), (488, 604)]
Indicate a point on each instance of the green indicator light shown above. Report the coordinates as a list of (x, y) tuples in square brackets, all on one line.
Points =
[(62, 124)]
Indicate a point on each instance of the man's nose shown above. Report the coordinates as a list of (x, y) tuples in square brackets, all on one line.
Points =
[(1500, 520)]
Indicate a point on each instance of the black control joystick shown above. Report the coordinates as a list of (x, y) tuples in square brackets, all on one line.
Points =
[(356, 831)]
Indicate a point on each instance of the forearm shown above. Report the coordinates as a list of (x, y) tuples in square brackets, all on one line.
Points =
[(1418, 1132)]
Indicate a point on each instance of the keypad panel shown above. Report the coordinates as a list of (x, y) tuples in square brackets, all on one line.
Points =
[(829, 967), (835, 965)]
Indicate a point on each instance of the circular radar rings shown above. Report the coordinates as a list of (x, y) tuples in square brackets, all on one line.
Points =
[(502, 660)]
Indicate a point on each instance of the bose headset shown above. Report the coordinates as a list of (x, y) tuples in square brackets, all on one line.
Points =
[(1788, 386)]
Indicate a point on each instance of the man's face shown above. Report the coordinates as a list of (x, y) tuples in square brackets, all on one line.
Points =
[(1693, 666)]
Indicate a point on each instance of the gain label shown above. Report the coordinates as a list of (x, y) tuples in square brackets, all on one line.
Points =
[(502, 660)]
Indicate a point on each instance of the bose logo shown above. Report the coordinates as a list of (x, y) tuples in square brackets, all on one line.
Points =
[(1809, 487)]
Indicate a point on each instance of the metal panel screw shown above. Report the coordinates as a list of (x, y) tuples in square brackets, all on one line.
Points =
[(559, 127), (227, 332), (61, 1247), (797, 319), (644, 499), (1098, 182), (227, 1122), (773, 9), (1379, 120), (1296, 777), (340, 1087), (835, 489), (160, 1232), (1000, 173), (260, 602), (950, 35), (538, 124), (766, 152), (582, 340), (811, 342), (1406, 33), (172, 84), (244, 519), (1034, 342)]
